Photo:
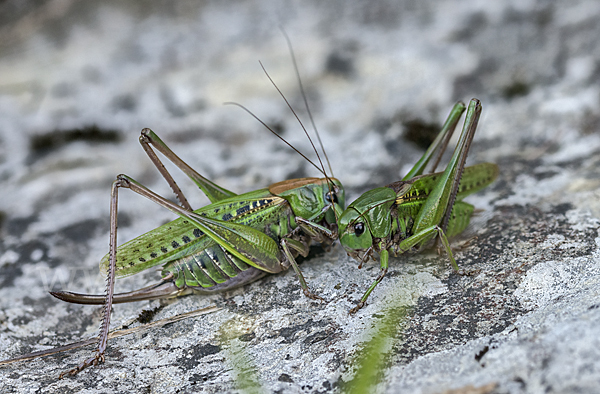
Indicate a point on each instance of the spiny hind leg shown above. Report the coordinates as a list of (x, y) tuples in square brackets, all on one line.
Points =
[(122, 181), (214, 192), (110, 283)]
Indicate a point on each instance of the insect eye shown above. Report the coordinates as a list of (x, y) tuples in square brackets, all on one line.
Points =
[(359, 228), (331, 197)]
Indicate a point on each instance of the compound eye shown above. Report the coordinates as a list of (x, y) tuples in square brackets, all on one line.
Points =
[(359, 228), (331, 197)]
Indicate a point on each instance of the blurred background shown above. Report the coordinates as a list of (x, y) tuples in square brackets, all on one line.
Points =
[(79, 80)]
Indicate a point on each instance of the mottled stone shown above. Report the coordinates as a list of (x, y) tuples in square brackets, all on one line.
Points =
[(78, 81)]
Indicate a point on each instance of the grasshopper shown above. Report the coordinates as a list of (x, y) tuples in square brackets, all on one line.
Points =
[(410, 213), (231, 242)]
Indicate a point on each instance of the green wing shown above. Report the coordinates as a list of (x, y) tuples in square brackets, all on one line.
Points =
[(184, 236)]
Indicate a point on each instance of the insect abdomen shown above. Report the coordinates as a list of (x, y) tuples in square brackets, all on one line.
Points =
[(460, 218), (477, 177), (181, 237), (205, 268), (158, 246)]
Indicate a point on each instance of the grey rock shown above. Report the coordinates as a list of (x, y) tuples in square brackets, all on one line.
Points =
[(78, 81)]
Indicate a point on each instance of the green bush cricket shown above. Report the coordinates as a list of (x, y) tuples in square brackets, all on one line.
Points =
[(231, 242), (410, 213)]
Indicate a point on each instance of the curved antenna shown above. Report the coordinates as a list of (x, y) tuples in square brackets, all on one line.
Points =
[(295, 115), (312, 121), (322, 169), (276, 134), (329, 181)]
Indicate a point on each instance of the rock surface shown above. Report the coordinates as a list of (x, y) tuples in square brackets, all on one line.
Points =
[(78, 81)]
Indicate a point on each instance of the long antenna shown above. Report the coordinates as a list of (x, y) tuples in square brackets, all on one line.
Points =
[(276, 134), (296, 115), (291, 49), (312, 121), (322, 169), (303, 128)]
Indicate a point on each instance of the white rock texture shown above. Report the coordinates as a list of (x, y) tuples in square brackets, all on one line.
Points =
[(527, 322)]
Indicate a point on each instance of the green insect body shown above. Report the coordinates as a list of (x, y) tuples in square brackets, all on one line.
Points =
[(233, 241), (196, 261), (409, 214)]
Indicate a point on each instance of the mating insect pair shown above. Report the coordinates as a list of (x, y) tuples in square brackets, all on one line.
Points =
[(239, 238)]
